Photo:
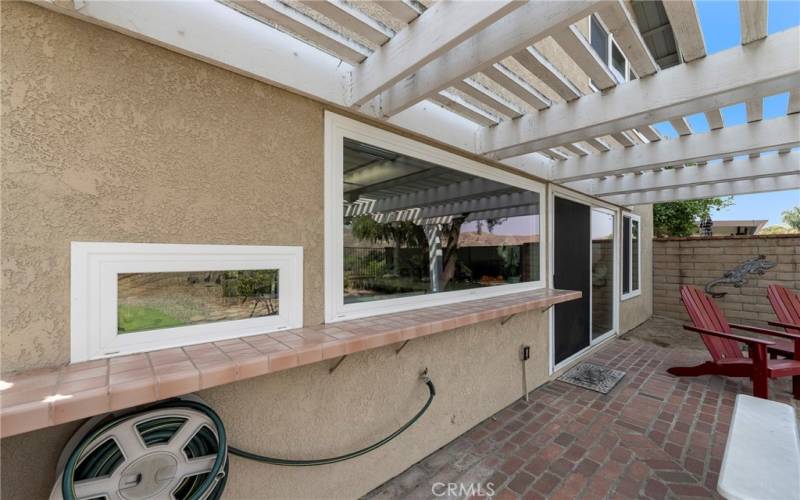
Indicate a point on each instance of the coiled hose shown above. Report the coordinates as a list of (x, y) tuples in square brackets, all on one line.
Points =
[(208, 486)]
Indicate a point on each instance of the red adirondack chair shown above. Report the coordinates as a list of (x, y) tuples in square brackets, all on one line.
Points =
[(786, 305), (727, 358)]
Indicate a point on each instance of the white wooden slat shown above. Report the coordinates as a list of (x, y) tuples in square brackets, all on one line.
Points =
[(529, 24), (444, 26), (748, 186), (399, 9), (752, 20), (534, 164), (686, 28), (581, 52), (488, 98), (623, 139), (728, 77), (463, 108), (773, 134), (764, 166), (351, 19), (714, 119), (620, 23), (597, 144), (755, 109), (274, 12), (517, 86), (576, 149), (650, 133), (681, 126), (554, 154), (532, 60), (794, 102)]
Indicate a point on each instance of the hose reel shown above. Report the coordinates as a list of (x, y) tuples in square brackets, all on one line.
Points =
[(174, 450)]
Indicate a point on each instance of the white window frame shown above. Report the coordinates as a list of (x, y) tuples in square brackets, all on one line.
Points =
[(337, 128), (611, 43), (632, 293), (95, 267)]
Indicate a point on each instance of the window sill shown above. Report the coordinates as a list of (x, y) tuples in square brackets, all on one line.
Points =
[(46, 397), (631, 295)]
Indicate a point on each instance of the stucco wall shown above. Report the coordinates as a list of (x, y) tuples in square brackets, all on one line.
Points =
[(636, 310), (105, 138)]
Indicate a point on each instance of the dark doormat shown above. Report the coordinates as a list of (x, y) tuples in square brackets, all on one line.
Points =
[(593, 377)]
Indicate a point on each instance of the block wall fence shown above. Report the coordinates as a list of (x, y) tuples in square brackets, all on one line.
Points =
[(697, 261)]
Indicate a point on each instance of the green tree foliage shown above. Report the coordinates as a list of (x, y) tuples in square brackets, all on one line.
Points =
[(778, 229), (680, 218), (401, 233), (791, 218)]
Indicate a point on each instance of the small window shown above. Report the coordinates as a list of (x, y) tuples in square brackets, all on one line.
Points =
[(130, 298), (618, 62), (418, 226), (599, 39), (631, 255)]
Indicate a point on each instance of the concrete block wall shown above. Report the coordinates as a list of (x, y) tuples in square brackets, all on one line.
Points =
[(697, 261)]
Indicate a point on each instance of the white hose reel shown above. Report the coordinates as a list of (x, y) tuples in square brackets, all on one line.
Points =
[(157, 453)]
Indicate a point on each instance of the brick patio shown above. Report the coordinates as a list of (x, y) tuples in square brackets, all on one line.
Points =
[(653, 436)]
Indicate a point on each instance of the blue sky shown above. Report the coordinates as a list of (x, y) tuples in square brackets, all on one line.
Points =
[(720, 23)]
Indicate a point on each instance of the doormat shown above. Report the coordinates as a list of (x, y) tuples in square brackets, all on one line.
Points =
[(593, 377)]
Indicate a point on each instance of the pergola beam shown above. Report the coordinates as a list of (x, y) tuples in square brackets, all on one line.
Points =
[(463, 108), (620, 23), (755, 109), (752, 20), (761, 185), (529, 24), (442, 27), (681, 126), (581, 52), (726, 78), (488, 98), (399, 9), (686, 28), (747, 168), (517, 86), (541, 68), (351, 19), (714, 119), (774, 134)]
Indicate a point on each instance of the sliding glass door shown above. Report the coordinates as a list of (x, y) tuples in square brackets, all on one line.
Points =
[(602, 273)]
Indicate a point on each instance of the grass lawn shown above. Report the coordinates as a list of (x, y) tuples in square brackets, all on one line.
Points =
[(136, 319)]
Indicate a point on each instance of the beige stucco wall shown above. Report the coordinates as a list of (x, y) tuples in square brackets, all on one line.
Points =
[(111, 139), (636, 310)]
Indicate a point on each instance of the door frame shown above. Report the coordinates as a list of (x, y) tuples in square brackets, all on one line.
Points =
[(592, 203)]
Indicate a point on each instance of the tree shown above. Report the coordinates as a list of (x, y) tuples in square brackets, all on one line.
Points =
[(680, 218), (792, 218), (400, 233), (778, 229)]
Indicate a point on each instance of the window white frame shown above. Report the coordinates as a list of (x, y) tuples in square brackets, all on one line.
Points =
[(94, 274), (621, 78), (593, 204), (337, 128), (632, 292)]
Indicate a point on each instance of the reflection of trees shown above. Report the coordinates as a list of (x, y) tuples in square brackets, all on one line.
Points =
[(399, 233)]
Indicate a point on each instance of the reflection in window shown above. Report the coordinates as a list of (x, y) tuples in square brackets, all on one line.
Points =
[(618, 62), (412, 227), (631, 248), (151, 301), (634, 254), (602, 273)]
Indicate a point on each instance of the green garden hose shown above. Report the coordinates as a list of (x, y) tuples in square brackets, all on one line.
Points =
[(167, 449)]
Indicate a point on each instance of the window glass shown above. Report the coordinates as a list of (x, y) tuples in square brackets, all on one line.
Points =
[(599, 39), (618, 62), (151, 301), (602, 273), (411, 227), (626, 255), (634, 254)]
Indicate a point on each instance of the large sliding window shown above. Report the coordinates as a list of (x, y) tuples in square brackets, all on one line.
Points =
[(631, 255), (411, 226)]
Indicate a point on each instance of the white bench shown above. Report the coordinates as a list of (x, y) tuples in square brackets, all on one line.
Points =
[(762, 456)]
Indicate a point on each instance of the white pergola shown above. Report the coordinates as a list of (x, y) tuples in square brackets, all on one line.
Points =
[(436, 69)]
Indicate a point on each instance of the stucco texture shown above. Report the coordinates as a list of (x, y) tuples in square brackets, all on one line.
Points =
[(105, 138), (636, 310)]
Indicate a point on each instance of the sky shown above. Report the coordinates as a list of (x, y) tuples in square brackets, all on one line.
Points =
[(719, 20)]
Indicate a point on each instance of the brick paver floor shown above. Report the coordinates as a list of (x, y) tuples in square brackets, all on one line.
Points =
[(653, 436)]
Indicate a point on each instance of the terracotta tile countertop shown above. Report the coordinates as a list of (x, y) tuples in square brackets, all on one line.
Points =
[(41, 398)]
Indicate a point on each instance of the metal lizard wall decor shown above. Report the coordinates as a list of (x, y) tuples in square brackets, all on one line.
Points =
[(738, 276)]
